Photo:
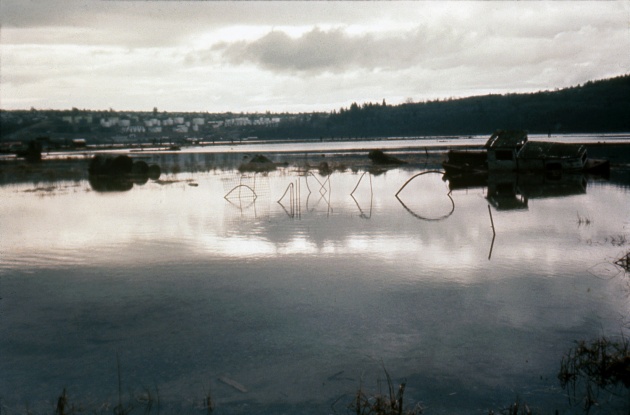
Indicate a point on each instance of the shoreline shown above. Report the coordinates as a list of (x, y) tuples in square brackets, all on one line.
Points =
[(399, 144), (73, 165)]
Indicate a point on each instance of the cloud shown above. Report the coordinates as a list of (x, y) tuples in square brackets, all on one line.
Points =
[(314, 51), (336, 51), (168, 23), (299, 55), (37, 13), (432, 46)]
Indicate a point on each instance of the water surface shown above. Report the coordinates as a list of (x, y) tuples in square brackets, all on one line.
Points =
[(302, 287)]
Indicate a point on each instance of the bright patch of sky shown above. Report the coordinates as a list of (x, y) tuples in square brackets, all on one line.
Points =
[(298, 56)]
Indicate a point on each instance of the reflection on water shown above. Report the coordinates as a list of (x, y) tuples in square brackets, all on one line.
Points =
[(426, 185), (506, 191), (280, 281)]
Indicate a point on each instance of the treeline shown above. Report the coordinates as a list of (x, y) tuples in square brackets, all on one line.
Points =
[(597, 106)]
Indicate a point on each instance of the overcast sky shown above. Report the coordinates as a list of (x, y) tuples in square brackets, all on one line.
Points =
[(298, 56)]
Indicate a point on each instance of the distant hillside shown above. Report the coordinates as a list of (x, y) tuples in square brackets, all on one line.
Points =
[(597, 106)]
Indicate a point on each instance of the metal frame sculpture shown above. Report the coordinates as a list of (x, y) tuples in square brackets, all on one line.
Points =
[(414, 213), (294, 191), (362, 214), (322, 192), (241, 185)]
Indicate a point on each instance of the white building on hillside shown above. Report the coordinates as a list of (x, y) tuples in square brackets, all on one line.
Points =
[(238, 122)]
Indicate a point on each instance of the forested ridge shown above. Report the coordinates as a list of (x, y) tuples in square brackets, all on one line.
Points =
[(597, 106), (601, 106)]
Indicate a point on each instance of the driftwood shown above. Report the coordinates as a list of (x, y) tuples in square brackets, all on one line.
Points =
[(233, 383)]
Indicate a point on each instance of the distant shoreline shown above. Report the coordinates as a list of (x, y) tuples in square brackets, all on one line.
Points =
[(597, 142), (72, 165)]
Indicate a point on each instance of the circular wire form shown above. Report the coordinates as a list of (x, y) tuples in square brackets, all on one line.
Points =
[(437, 218)]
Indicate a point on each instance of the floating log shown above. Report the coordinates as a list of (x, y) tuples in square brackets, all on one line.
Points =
[(233, 383)]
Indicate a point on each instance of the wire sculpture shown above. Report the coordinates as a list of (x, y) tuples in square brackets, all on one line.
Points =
[(324, 194), (239, 193), (362, 214), (414, 213), (294, 200), (240, 186)]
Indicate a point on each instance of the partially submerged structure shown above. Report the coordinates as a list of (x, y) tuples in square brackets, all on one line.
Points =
[(511, 151)]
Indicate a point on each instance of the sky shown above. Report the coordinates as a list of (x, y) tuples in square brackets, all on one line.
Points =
[(258, 56)]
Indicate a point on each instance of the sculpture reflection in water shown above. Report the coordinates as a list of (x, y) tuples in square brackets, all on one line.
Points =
[(293, 194), (243, 193), (443, 215), (362, 214), (248, 194), (324, 193), (504, 191), (447, 213), (512, 191)]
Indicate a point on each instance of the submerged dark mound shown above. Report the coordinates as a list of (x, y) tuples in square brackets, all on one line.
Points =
[(121, 166), (378, 157), (258, 163)]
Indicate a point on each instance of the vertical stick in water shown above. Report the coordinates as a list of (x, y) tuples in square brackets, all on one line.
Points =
[(493, 233), (491, 246), (299, 198)]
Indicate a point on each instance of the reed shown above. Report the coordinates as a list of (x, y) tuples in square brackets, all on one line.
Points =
[(516, 408), (583, 220), (62, 403), (590, 368), (208, 402), (391, 403), (618, 240)]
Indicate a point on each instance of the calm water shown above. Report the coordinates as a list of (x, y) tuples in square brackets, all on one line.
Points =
[(303, 297)]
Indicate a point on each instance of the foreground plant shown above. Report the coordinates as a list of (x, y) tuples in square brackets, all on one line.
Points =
[(383, 404), (600, 366), (517, 408)]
